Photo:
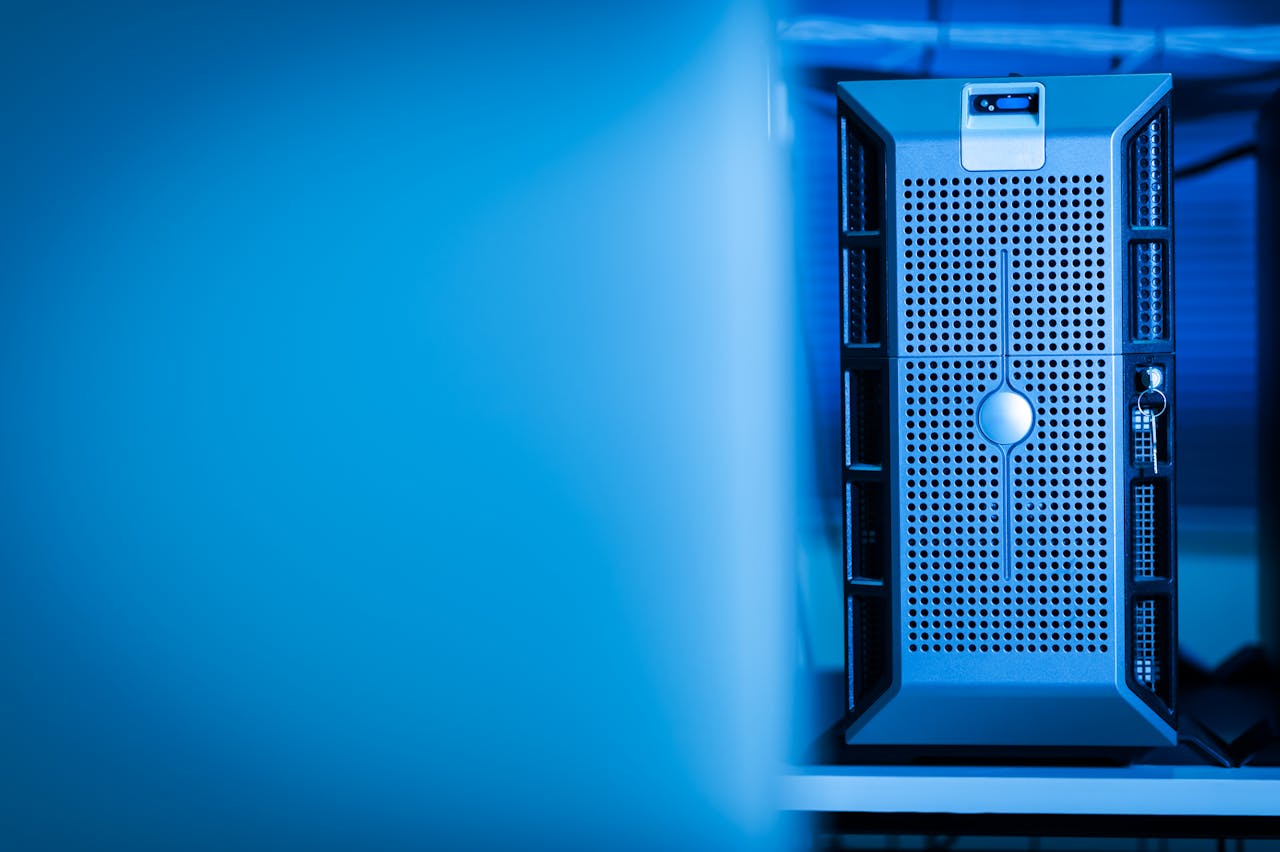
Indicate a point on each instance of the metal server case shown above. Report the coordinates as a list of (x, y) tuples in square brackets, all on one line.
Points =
[(1006, 290)]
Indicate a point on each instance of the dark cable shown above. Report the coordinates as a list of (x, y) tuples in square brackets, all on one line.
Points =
[(1115, 22), (1234, 153), (927, 57)]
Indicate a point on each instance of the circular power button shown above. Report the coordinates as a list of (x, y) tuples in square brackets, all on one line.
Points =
[(1005, 417)]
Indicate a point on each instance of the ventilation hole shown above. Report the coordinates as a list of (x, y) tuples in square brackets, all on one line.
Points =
[(866, 402), (867, 624), (1144, 530), (1051, 229), (1149, 276), (854, 178), (862, 297), (1146, 660), (861, 176), (1150, 654), (1148, 533), (1056, 597), (1147, 167), (865, 514), (1142, 425), (956, 598)]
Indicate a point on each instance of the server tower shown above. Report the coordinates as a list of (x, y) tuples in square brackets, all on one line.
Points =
[(1008, 378)]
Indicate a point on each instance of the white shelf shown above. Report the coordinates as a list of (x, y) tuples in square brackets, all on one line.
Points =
[(1144, 790)]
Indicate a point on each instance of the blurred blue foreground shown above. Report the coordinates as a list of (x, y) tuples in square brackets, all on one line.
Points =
[(395, 427)]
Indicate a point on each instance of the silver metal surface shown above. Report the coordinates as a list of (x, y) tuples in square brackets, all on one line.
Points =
[(1008, 609)]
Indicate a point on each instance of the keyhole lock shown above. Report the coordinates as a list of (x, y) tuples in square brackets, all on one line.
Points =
[(1151, 378)]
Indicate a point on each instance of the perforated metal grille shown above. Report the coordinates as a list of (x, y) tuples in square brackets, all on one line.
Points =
[(1149, 288), (955, 232), (1142, 426), (1147, 154), (950, 270), (1146, 660), (951, 544), (1055, 597), (1061, 531), (1143, 530)]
